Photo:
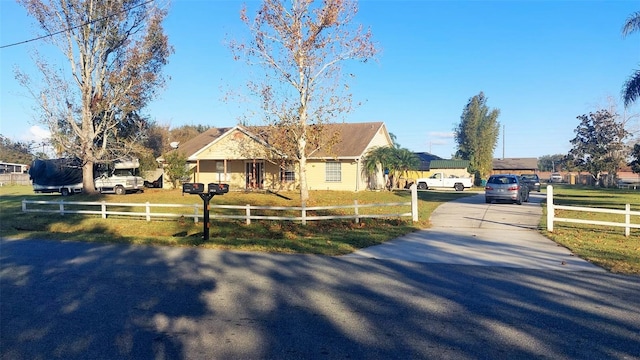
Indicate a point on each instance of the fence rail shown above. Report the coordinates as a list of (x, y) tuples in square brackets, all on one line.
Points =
[(551, 218), (196, 211)]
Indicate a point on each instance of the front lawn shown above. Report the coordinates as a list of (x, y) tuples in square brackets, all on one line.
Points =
[(605, 246), (331, 237)]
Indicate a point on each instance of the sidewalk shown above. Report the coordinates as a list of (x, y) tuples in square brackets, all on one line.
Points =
[(469, 232)]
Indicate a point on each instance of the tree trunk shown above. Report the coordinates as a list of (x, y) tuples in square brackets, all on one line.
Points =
[(304, 191), (88, 184)]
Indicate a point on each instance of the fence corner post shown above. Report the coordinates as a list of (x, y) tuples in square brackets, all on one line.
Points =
[(627, 220), (304, 214), (550, 208), (414, 202)]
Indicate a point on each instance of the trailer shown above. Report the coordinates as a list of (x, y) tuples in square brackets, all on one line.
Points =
[(64, 176)]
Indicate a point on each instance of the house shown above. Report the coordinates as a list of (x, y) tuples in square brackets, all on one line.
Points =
[(252, 157), (430, 164), (515, 166)]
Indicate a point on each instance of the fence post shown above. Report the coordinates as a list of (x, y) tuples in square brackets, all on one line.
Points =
[(103, 208), (148, 208), (61, 207), (24, 205), (304, 214), (550, 209), (355, 210), (195, 213), (414, 202), (627, 220), (248, 213)]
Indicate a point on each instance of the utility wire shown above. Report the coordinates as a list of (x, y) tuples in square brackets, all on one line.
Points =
[(75, 27)]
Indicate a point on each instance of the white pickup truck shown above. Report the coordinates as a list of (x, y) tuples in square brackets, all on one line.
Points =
[(440, 180)]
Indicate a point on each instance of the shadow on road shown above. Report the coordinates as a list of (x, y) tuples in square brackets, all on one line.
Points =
[(78, 300)]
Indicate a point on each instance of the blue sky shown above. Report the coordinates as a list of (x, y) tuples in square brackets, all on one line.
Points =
[(542, 63)]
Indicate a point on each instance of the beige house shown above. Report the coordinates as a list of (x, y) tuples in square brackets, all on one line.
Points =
[(249, 158)]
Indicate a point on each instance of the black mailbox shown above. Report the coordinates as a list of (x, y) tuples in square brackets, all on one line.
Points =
[(218, 189), (193, 188)]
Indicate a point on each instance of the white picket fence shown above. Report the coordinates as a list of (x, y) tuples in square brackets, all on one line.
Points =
[(196, 211), (551, 218)]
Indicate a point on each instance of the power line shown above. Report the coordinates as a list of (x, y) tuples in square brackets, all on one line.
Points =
[(77, 26)]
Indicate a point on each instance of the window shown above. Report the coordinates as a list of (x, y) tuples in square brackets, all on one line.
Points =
[(288, 173), (333, 171)]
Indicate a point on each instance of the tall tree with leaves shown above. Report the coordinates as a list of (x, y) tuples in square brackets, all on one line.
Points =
[(477, 135), (631, 88), (116, 50), (300, 45), (599, 144)]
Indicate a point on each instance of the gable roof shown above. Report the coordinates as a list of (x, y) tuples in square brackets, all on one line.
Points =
[(425, 160), (515, 164), (201, 141), (354, 139)]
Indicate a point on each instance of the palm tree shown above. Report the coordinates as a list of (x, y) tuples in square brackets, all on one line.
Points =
[(631, 88), (394, 160), (377, 158)]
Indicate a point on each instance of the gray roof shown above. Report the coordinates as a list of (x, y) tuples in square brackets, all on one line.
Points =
[(515, 164)]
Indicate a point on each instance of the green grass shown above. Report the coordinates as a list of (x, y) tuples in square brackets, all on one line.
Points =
[(605, 246), (332, 237)]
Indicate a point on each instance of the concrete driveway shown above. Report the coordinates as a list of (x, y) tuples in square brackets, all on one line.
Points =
[(470, 232)]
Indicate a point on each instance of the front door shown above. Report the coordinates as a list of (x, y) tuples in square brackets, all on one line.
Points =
[(254, 174)]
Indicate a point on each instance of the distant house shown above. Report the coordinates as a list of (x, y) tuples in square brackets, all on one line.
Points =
[(430, 164), (515, 166), (250, 158)]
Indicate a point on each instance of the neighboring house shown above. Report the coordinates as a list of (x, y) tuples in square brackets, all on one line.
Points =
[(515, 166), (244, 158), (430, 164)]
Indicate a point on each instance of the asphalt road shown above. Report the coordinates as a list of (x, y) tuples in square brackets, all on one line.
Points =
[(70, 300)]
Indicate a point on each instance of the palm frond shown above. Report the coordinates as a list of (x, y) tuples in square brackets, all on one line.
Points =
[(632, 24), (631, 89)]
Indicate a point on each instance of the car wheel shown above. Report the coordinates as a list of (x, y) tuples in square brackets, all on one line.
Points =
[(519, 201), (64, 191), (422, 186), (120, 190), (487, 200), (458, 187)]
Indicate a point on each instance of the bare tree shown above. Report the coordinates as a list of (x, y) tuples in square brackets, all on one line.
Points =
[(301, 45), (115, 50)]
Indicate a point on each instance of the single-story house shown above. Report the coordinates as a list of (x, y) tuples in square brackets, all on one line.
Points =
[(430, 164), (251, 157), (515, 166)]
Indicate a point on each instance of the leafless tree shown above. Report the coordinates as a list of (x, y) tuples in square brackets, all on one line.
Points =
[(301, 46), (115, 51)]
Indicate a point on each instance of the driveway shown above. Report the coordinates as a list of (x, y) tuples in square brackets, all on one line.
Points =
[(470, 232)]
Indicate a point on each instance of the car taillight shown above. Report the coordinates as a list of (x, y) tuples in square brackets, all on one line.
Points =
[(514, 187), (488, 188)]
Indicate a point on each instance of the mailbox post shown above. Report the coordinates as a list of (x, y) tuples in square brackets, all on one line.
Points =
[(213, 189)]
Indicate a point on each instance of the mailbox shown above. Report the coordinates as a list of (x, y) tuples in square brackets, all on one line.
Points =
[(218, 189), (193, 188)]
